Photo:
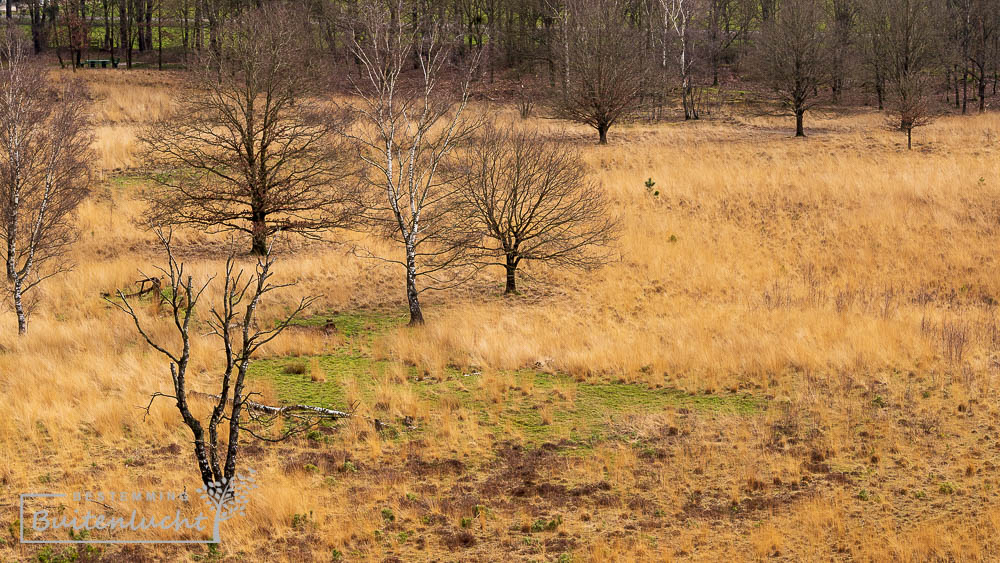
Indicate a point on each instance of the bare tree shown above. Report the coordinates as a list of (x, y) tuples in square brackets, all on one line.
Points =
[(873, 20), (793, 55), (729, 22), (984, 21), (911, 103), (44, 145), (408, 125), (248, 151), (844, 16), (680, 15), (602, 69), (235, 324), (911, 47), (532, 201)]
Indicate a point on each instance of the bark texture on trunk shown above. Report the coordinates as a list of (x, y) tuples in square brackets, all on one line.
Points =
[(511, 268), (259, 234), (22, 318), (799, 128), (412, 295)]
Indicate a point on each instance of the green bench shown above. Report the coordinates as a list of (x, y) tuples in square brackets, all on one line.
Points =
[(92, 63)]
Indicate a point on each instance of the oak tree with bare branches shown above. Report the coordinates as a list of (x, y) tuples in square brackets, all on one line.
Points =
[(910, 39), (600, 64), (249, 151), (44, 146), (794, 56), (531, 201)]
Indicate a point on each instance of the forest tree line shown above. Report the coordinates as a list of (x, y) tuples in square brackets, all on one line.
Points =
[(669, 46)]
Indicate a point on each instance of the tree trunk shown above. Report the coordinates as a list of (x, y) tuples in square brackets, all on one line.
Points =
[(799, 129), (22, 319), (149, 25), (259, 245), (37, 24), (965, 90), (602, 132), (108, 39), (982, 92), (880, 90), (159, 35), (137, 10), (909, 138), (956, 87), (412, 296), (259, 234), (511, 268), (124, 34), (684, 99)]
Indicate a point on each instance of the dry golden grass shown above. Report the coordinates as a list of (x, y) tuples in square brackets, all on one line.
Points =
[(848, 285)]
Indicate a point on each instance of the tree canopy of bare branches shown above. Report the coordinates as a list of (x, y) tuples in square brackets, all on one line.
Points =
[(44, 145), (794, 56), (407, 127), (249, 151), (531, 201), (601, 73)]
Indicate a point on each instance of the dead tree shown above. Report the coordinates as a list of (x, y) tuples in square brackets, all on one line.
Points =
[(44, 146), (235, 324), (793, 55), (247, 151), (408, 125), (603, 71), (532, 201)]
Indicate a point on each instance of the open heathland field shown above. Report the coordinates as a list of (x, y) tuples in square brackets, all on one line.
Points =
[(793, 354)]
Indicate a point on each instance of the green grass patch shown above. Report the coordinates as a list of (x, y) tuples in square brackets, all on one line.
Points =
[(587, 415), (298, 388), (356, 323), (538, 407)]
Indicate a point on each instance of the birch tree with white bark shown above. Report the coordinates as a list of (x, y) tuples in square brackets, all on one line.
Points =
[(44, 147), (235, 322), (407, 126), (678, 15)]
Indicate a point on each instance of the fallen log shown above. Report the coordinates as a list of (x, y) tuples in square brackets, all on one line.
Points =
[(287, 409)]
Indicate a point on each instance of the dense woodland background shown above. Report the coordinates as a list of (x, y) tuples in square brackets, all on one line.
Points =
[(700, 51)]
